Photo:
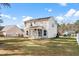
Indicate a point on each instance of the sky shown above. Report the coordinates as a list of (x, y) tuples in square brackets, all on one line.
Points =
[(19, 12)]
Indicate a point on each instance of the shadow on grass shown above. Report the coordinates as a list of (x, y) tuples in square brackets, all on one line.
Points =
[(58, 46), (63, 38), (12, 40), (5, 46), (50, 50)]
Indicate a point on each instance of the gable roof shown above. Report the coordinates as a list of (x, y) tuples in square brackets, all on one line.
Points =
[(22, 30), (7, 27), (1, 27), (39, 19)]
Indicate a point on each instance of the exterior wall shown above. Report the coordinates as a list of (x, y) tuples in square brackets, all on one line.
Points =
[(52, 28), (28, 25), (42, 23), (51, 31), (25, 29), (34, 34)]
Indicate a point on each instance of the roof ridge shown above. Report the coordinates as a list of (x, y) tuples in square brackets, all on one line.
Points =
[(40, 18)]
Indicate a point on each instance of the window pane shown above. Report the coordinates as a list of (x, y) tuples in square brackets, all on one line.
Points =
[(26, 32), (45, 32), (31, 24), (52, 25), (39, 32)]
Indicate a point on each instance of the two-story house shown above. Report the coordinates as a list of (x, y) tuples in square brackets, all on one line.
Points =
[(40, 28)]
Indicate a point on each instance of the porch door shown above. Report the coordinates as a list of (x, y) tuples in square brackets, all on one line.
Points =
[(34, 33)]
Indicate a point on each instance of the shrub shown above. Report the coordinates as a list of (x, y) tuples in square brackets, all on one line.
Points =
[(57, 35)]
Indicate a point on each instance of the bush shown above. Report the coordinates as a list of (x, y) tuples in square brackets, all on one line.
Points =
[(57, 35)]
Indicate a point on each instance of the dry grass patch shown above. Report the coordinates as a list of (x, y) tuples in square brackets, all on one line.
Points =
[(47, 47)]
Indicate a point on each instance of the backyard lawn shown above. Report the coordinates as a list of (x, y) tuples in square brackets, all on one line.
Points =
[(41, 47)]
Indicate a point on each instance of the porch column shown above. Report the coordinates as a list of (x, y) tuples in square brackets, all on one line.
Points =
[(42, 33), (29, 34), (37, 33), (32, 33)]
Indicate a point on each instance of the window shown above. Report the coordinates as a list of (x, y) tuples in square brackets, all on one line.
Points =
[(45, 32), (26, 32), (31, 24), (34, 22), (25, 23), (39, 32), (35, 29), (52, 25)]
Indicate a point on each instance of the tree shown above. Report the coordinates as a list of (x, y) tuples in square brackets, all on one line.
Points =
[(62, 28), (77, 22), (77, 26), (1, 21), (3, 5)]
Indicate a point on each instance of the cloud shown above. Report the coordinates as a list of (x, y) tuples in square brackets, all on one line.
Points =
[(49, 10), (70, 17), (6, 16), (27, 18), (63, 4), (23, 16), (70, 13), (76, 14), (14, 18), (60, 19), (18, 25)]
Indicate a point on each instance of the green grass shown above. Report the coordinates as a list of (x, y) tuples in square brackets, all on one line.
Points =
[(49, 47)]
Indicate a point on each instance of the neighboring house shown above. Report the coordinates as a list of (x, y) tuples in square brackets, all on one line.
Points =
[(1, 27), (12, 30), (69, 33), (68, 28), (41, 28)]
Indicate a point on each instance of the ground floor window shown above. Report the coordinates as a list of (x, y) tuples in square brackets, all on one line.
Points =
[(45, 32), (26, 32), (39, 32)]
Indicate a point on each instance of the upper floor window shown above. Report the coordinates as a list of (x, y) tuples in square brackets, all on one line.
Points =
[(31, 24), (34, 22), (52, 25), (25, 23)]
